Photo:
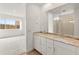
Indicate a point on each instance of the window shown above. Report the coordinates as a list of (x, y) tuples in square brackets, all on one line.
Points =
[(9, 24)]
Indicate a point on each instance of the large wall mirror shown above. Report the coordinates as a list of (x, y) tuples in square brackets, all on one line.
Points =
[(11, 25), (64, 20)]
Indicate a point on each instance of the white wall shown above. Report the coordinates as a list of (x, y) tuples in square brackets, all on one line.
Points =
[(36, 22), (11, 45), (16, 9)]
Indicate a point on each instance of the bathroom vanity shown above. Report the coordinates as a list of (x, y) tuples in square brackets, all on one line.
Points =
[(53, 44)]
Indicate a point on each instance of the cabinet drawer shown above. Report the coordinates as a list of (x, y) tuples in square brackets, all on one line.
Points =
[(67, 46), (64, 49)]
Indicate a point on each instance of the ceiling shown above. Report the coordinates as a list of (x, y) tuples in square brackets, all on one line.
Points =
[(38, 4)]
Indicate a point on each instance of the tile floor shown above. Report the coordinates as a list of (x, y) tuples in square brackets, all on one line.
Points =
[(34, 52)]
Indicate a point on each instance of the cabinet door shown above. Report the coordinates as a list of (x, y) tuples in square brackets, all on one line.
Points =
[(64, 49), (50, 47), (43, 45), (77, 50), (37, 45)]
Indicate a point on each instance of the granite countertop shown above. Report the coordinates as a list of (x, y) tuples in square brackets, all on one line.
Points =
[(65, 39)]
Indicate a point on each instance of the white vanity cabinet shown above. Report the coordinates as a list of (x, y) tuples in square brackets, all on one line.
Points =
[(63, 49), (37, 43), (50, 47), (47, 46), (43, 45)]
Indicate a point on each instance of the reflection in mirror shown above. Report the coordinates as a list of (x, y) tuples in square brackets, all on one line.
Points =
[(61, 20), (2, 24), (10, 24)]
